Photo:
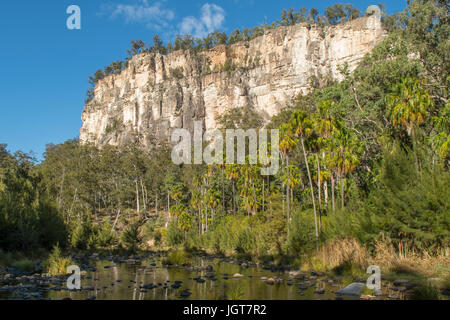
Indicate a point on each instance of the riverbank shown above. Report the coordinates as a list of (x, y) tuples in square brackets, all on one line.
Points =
[(151, 275)]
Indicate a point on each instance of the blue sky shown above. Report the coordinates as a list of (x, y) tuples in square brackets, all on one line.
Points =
[(44, 67)]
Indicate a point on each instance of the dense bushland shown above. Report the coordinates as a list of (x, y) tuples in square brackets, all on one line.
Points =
[(365, 174)]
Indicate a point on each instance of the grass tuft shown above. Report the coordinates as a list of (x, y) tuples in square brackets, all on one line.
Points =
[(56, 264), (179, 257)]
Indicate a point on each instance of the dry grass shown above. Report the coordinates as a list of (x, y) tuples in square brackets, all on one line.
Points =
[(340, 255), (338, 252), (406, 259), (348, 255)]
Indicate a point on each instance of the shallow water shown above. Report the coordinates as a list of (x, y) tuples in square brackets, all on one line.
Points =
[(125, 281), (112, 277)]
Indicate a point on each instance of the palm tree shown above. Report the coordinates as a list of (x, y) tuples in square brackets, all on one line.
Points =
[(248, 176), (294, 180), (346, 158), (184, 222), (409, 105), (323, 125), (213, 200), (302, 125)]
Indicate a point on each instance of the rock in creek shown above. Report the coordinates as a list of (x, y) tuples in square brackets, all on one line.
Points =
[(353, 289)]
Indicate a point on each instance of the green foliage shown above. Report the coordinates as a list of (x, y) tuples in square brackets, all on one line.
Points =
[(137, 47), (341, 13), (245, 242), (27, 218), (179, 257), (378, 141), (301, 233), (151, 230), (175, 236), (411, 206), (424, 292), (105, 237), (24, 265), (83, 235), (176, 73), (56, 264), (131, 237), (240, 118), (228, 65), (112, 127)]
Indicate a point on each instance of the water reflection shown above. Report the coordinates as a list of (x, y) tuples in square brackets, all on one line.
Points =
[(150, 280)]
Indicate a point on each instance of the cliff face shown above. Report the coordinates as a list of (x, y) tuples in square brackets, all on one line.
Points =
[(157, 93)]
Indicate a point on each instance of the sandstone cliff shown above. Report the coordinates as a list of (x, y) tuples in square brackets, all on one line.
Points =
[(156, 93)]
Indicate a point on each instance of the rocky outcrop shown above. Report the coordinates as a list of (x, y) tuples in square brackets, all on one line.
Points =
[(157, 93)]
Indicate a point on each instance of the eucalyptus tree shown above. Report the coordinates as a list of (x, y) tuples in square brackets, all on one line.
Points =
[(232, 173), (287, 144)]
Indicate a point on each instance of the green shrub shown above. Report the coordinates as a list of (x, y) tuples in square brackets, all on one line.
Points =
[(409, 206), (151, 230), (83, 235), (56, 264), (24, 265), (112, 127), (179, 257), (245, 242), (301, 238), (177, 73), (106, 237), (6, 258), (424, 292), (175, 237), (131, 237)]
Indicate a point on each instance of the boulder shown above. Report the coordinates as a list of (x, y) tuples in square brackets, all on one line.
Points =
[(353, 289)]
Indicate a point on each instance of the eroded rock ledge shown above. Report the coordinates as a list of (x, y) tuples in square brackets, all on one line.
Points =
[(157, 93)]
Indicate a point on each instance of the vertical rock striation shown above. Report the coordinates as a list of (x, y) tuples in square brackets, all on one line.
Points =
[(156, 93)]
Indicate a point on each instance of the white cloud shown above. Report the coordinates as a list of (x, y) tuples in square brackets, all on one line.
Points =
[(152, 15), (211, 18)]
